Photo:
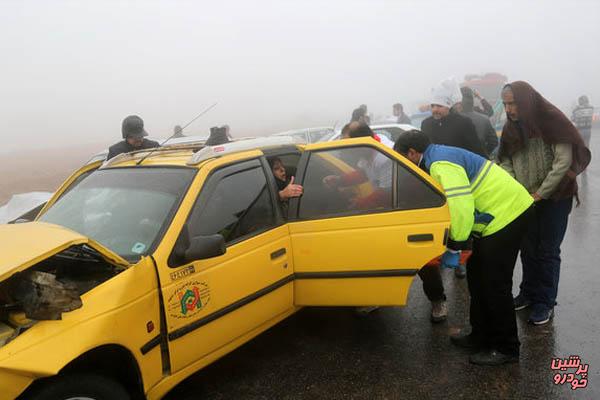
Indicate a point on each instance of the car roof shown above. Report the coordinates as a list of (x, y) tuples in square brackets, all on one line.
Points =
[(194, 153), (101, 155)]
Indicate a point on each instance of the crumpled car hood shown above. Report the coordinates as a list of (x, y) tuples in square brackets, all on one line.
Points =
[(23, 245)]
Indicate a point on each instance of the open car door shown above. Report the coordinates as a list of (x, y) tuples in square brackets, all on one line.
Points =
[(367, 222)]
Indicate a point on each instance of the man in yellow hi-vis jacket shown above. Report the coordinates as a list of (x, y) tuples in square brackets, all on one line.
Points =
[(490, 206)]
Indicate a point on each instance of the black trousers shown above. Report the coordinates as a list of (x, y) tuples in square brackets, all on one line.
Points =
[(489, 276), (432, 282)]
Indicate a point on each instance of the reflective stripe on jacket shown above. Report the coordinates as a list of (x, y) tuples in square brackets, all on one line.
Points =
[(482, 197)]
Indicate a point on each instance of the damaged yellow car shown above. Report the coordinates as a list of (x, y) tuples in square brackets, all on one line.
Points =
[(144, 269)]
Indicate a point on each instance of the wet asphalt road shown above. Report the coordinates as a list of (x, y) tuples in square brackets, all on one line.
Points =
[(396, 353)]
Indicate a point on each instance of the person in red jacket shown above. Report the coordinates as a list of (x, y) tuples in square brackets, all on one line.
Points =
[(371, 166)]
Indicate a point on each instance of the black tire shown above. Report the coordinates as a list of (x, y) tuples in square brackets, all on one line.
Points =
[(88, 386)]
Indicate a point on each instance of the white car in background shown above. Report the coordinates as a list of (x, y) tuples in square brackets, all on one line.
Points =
[(310, 135), (391, 131)]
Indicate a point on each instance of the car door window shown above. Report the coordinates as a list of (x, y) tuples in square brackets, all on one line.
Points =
[(361, 179), (413, 192), (237, 205), (346, 181)]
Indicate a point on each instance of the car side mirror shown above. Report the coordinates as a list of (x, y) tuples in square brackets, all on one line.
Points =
[(203, 247), (188, 249)]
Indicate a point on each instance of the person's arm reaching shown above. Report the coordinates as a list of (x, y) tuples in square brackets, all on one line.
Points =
[(291, 190), (457, 187), (487, 107)]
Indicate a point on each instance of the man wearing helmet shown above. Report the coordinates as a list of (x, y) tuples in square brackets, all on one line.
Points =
[(133, 135)]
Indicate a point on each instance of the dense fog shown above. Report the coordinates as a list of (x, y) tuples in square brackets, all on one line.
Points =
[(71, 70)]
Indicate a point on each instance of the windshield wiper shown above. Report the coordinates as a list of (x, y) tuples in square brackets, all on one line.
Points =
[(81, 252)]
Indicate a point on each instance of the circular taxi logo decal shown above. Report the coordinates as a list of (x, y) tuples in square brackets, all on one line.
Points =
[(188, 299)]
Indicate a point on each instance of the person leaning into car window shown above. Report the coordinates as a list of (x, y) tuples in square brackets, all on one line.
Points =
[(286, 189)]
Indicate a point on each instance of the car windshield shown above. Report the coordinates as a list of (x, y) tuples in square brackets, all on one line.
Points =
[(124, 209)]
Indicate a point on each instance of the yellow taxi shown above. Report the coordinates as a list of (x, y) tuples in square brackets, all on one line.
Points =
[(143, 269)]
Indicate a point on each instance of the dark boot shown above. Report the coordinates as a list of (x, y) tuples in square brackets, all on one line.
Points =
[(492, 357), (466, 341)]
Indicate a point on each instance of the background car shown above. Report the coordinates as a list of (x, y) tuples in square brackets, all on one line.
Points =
[(309, 135), (391, 131)]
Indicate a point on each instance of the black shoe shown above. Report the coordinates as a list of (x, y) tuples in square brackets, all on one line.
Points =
[(541, 314), (465, 341), (492, 357)]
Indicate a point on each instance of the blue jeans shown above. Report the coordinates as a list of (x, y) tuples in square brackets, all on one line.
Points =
[(540, 250)]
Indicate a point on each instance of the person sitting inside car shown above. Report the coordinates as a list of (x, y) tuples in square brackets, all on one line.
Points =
[(286, 188), (370, 166)]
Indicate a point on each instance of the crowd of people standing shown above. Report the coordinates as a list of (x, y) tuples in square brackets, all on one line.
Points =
[(506, 196)]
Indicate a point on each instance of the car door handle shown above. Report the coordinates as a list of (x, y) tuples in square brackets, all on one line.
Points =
[(421, 237), (278, 253)]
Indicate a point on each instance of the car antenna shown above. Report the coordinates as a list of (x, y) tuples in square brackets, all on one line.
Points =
[(174, 133), (198, 116)]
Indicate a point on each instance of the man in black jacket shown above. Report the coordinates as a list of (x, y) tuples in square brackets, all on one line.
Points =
[(485, 131), (133, 138), (398, 111), (446, 125)]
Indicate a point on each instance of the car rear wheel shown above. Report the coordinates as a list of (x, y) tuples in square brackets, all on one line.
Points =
[(79, 387)]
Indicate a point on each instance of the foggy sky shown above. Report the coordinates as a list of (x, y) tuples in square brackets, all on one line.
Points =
[(71, 71)]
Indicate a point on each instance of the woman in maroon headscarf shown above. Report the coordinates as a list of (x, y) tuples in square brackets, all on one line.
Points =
[(542, 149)]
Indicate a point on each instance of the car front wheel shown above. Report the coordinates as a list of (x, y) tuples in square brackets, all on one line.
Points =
[(79, 387)]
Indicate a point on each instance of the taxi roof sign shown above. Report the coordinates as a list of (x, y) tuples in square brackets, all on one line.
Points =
[(239, 145)]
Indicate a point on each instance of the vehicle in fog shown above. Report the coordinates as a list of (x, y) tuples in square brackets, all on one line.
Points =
[(392, 131), (141, 270), (309, 135)]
